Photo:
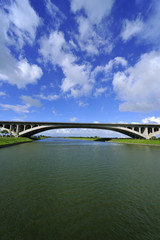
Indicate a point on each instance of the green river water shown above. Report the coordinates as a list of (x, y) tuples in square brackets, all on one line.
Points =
[(67, 189)]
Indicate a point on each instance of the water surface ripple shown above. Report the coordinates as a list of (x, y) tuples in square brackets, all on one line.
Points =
[(72, 189)]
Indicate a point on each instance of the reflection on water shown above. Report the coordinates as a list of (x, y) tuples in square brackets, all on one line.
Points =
[(73, 189)]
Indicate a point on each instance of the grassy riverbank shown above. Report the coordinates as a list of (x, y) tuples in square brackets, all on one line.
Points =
[(13, 140), (137, 141), (121, 140)]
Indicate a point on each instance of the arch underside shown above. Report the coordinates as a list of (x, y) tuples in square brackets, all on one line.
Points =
[(35, 130), (154, 134)]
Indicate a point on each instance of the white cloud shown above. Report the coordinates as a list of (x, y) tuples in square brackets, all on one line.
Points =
[(82, 104), (109, 66), (49, 97), (120, 61), (52, 48), (131, 28), (18, 73), (138, 86), (76, 79), (22, 22), (100, 91), (151, 120), (55, 113), (92, 38), (2, 94), (18, 25), (96, 10), (28, 103), (15, 108), (43, 87), (150, 32), (73, 119), (57, 16), (145, 30), (89, 39), (31, 101), (27, 72)]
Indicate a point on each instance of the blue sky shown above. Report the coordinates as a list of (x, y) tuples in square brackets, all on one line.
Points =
[(80, 61)]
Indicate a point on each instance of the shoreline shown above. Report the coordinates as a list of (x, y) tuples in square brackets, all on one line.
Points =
[(110, 140), (142, 144), (12, 141), (13, 144)]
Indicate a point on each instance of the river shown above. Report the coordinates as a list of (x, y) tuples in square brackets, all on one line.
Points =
[(63, 189)]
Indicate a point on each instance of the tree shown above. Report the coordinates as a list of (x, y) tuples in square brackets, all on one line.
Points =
[(4, 132), (153, 138)]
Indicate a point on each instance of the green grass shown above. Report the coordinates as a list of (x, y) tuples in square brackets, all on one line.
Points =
[(120, 140), (12, 140), (137, 141)]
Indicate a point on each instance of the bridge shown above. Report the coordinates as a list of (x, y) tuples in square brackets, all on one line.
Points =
[(27, 129)]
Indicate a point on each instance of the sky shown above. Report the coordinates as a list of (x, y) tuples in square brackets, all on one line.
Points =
[(92, 61)]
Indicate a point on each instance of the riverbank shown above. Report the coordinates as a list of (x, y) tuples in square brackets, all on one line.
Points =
[(155, 142), (10, 141), (91, 139)]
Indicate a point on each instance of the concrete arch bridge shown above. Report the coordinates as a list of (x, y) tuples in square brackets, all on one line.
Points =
[(27, 129)]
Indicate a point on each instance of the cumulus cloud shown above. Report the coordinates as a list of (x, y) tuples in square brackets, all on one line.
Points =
[(138, 86), (76, 81), (151, 120), (18, 26), (18, 72)]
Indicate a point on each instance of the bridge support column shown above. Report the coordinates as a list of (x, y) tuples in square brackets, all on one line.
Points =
[(145, 133), (17, 130)]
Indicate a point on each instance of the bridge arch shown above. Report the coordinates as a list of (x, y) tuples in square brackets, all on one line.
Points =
[(37, 129), (9, 131), (154, 134), (27, 129)]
